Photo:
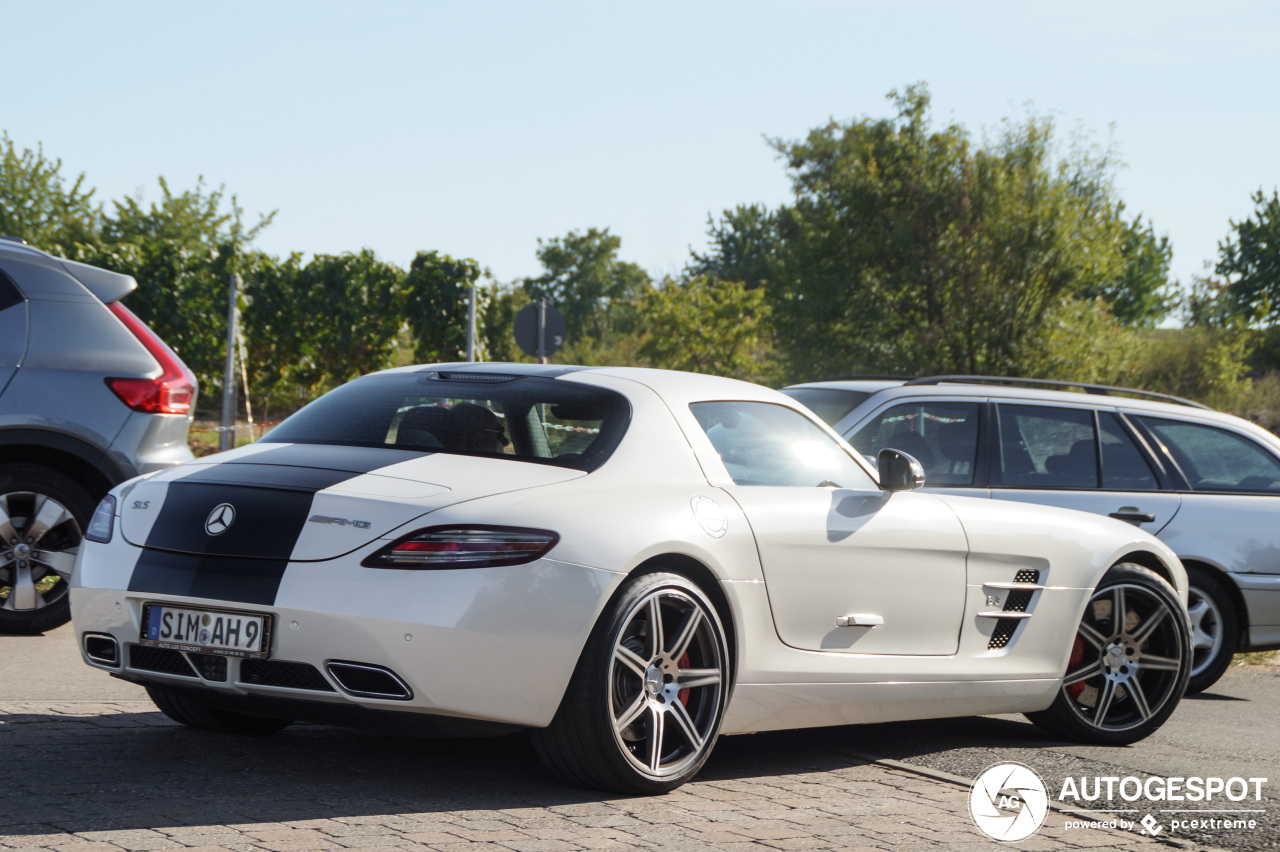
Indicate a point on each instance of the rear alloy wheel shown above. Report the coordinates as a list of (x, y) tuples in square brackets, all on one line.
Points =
[(42, 516), (197, 714), (1129, 663), (1214, 629), (645, 705)]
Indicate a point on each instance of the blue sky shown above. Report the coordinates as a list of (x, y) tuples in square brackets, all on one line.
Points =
[(477, 128)]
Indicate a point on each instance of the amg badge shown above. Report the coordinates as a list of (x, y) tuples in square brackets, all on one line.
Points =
[(342, 522)]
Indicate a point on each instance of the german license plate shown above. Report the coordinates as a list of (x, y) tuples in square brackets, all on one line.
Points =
[(208, 631)]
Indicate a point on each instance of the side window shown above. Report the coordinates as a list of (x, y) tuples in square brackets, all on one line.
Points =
[(1043, 447), (943, 437), (1217, 460), (765, 444), (9, 294), (1124, 467)]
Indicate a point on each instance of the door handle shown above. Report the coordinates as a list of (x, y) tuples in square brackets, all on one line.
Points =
[(863, 620), (1133, 516)]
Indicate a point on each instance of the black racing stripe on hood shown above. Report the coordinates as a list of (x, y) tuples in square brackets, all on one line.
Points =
[(329, 456), (216, 578)]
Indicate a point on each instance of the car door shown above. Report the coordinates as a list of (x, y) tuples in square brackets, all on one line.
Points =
[(1230, 511), (1079, 458), (848, 567)]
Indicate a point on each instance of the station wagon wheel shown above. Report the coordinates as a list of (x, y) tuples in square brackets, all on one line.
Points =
[(42, 516), (645, 706), (1214, 629), (1129, 663)]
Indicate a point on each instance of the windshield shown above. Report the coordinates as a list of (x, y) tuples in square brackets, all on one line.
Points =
[(521, 418)]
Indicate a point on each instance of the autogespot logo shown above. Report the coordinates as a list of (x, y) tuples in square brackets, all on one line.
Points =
[(1008, 801)]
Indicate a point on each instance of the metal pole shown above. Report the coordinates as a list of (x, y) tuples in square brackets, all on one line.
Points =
[(227, 437), (542, 331), (471, 325)]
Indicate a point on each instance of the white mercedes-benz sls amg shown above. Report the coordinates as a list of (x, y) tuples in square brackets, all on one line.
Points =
[(626, 562)]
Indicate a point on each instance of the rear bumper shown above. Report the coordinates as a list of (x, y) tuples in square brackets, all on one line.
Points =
[(491, 644)]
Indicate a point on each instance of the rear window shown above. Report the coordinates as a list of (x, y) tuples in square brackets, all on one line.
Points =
[(529, 418), (831, 404)]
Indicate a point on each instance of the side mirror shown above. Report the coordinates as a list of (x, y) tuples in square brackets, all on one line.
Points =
[(899, 471)]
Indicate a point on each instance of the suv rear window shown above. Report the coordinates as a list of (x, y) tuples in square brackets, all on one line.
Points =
[(527, 418)]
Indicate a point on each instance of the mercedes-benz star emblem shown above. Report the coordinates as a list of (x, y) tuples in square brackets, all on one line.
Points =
[(222, 517)]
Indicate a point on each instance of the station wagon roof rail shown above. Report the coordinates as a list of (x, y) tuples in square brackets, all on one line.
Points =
[(1102, 390)]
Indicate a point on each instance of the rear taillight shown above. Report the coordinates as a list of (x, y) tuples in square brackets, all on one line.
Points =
[(464, 547), (172, 392)]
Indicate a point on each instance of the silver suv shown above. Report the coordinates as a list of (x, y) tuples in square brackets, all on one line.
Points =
[(89, 397), (1207, 483)]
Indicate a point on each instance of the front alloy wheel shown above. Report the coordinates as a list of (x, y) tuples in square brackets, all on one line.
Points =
[(1129, 663), (645, 705)]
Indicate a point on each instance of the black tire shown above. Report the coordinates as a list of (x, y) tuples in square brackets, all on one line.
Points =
[(1129, 663), (611, 731), (1215, 629), (43, 515), (197, 714)]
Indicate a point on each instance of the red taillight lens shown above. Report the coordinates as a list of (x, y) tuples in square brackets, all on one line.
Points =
[(464, 547), (172, 392)]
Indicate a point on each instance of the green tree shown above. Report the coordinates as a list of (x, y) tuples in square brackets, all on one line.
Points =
[(352, 314), (437, 304), (278, 348), (705, 325), (589, 284), (913, 249), (744, 246), (37, 205), (1250, 262), (1141, 294), (498, 329), (182, 249)]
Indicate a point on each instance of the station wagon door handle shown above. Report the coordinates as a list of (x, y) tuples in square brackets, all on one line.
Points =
[(1133, 516)]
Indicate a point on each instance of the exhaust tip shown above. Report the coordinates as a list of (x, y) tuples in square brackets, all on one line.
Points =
[(102, 649), (364, 680)]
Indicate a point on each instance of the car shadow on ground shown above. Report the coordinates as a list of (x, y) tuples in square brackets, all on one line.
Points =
[(138, 770)]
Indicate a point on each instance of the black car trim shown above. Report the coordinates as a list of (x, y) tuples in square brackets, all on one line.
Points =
[(222, 578)]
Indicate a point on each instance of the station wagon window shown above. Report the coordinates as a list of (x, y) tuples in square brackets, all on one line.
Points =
[(1124, 467), (765, 444), (942, 436), (1214, 459), (1044, 447)]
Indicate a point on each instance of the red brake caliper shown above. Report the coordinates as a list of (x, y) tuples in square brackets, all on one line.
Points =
[(1077, 657), (682, 664)]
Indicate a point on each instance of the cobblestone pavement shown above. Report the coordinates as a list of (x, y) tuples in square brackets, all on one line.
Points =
[(92, 777)]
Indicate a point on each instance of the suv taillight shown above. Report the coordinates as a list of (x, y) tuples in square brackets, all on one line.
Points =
[(478, 546), (172, 392)]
